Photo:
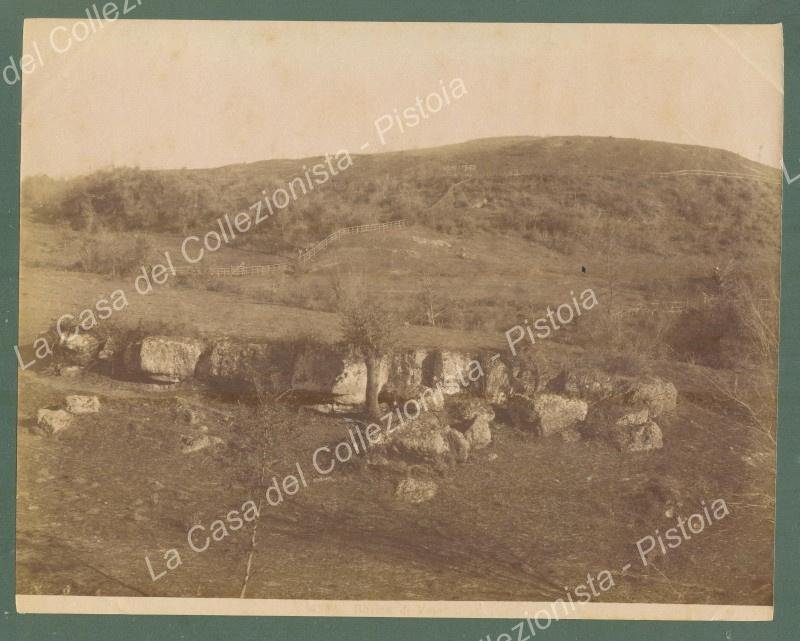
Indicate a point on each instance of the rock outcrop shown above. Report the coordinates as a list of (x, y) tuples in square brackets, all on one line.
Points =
[(451, 371), (245, 368), (408, 373), (330, 374)]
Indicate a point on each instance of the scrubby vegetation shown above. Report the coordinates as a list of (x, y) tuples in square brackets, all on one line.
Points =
[(499, 231), (564, 193)]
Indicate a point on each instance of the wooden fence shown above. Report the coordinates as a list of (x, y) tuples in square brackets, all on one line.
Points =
[(712, 172), (680, 306)]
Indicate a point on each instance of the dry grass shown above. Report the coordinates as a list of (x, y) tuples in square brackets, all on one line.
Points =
[(484, 536)]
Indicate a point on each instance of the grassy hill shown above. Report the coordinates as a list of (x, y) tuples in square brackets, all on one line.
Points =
[(518, 224), (563, 192), (498, 230)]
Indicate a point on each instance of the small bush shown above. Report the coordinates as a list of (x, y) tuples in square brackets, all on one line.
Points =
[(113, 254)]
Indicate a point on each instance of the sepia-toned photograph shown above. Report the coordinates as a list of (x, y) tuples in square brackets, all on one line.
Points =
[(398, 319)]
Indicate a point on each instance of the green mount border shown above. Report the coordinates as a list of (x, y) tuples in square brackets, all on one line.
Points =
[(85, 627)]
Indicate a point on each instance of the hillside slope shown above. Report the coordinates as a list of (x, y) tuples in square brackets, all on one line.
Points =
[(563, 192)]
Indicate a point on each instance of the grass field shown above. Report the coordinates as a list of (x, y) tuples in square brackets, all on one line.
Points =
[(525, 518), (523, 526)]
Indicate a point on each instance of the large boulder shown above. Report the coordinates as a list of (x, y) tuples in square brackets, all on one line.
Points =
[(165, 359), (459, 445), (426, 439), (497, 388), (243, 367), (533, 372), (406, 374), (588, 383), (80, 349), (53, 421), (479, 434), (329, 373), (546, 414), (627, 427), (658, 395)]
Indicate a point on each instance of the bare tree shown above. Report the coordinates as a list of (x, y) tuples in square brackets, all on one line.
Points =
[(371, 330), (432, 306)]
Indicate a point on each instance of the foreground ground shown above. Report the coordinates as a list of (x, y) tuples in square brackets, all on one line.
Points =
[(522, 520)]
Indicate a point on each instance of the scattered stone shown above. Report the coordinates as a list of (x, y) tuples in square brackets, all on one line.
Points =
[(70, 370), (80, 349), (431, 241), (77, 404), (109, 350), (570, 436), (479, 434), (331, 408), (415, 490), (492, 457), (189, 415), (636, 417), (190, 444), (53, 421), (638, 438), (657, 394)]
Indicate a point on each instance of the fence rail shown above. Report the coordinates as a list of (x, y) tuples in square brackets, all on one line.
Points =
[(303, 257), (713, 172), (680, 306)]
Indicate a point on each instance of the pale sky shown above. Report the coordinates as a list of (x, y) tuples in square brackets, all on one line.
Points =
[(171, 94)]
